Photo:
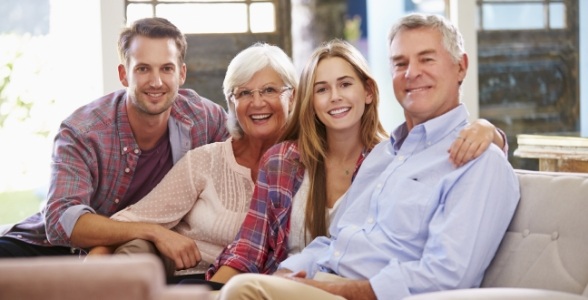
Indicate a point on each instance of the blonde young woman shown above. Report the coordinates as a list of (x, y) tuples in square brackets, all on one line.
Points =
[(302, 178)]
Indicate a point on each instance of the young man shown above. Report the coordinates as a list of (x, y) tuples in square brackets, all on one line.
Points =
[(111, 152), (411, 222)]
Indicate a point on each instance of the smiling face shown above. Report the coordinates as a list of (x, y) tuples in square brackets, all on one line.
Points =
[(153, 75), (339, 96), (262, 116), (425, 77)]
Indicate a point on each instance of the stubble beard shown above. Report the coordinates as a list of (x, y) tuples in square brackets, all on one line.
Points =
[(143, 107)]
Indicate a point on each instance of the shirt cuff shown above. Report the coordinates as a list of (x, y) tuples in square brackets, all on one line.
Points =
[(71, 215), (389, 284)]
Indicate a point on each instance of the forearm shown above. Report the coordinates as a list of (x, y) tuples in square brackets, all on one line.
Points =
[(224, 273), (354, 290), (94, 230)]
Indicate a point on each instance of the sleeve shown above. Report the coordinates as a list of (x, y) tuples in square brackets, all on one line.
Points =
[(505, 139), (317, 248), (174, 196), (210, 116), (306, 260), (74, 170), (475, 209), (217, 119), (262, 241)]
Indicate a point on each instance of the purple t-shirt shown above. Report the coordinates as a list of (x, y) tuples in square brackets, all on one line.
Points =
[(152, 166)]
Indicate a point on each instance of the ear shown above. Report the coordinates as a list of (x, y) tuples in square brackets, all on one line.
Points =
[(122, 75), (369, 91), (463, 67), (183, 72), (291, 101)]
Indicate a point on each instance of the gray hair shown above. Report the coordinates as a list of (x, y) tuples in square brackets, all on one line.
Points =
[(248, 62), (452, 39)]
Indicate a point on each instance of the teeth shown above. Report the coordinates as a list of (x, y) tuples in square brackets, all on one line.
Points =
[(338, 110), (417, 89), (260, 117), (154, 94)]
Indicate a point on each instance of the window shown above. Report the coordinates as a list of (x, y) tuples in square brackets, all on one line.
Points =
[(200, 16), (521, 15)]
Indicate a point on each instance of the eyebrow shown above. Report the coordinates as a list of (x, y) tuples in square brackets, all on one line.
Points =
[(338, 79), (424, 52)]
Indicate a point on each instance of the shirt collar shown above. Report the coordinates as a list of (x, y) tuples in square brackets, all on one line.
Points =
[(434, 129)]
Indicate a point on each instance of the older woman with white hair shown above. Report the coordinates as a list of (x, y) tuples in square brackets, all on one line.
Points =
[(205, 196)]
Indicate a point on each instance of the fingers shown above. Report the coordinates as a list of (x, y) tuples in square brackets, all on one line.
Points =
[(188, 257), (463, 150)]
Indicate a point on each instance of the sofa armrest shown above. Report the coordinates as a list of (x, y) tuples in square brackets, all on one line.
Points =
[(67, 277), (186, 292)]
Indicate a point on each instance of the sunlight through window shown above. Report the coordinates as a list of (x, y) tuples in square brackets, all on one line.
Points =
[(200, 17)]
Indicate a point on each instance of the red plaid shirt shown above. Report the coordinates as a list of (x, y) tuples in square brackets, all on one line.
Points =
[(262, 242)]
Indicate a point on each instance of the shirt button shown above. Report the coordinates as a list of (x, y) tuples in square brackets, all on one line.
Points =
[(401, 157), (125, 149), (136, 151), (379, 185), (370, 220), (116, 201), (337, 253), (45, 241), (127, 170)]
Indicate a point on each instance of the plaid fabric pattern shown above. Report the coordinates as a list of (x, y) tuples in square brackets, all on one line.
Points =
[(95, 155), (262, 244)]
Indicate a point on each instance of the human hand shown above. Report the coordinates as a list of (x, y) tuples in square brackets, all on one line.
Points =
[(100, 250), (182, 250), (472, 141), (289, 274)]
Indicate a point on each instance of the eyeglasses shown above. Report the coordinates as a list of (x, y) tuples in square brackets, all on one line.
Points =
[(268, 93)]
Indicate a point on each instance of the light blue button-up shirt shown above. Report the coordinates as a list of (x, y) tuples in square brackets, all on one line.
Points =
[(411, 222)]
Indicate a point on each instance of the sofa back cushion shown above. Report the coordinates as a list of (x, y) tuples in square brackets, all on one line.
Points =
[(546, 244)]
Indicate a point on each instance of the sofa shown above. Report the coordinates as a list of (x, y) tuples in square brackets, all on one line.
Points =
[(544, 253), (138, 277)]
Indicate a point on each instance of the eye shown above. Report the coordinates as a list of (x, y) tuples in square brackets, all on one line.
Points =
[(345, 84), (243, 93), (320, 90), (270, 91), (168, 69), (142, 69)]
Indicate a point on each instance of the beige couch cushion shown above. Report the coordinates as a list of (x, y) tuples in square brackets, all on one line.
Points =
[(110, 277), (497, 294), (546, 244)]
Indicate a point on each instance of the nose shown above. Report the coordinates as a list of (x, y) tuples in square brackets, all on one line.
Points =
[(335, 95), (155, 80), (412, 71), (257, 99)]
